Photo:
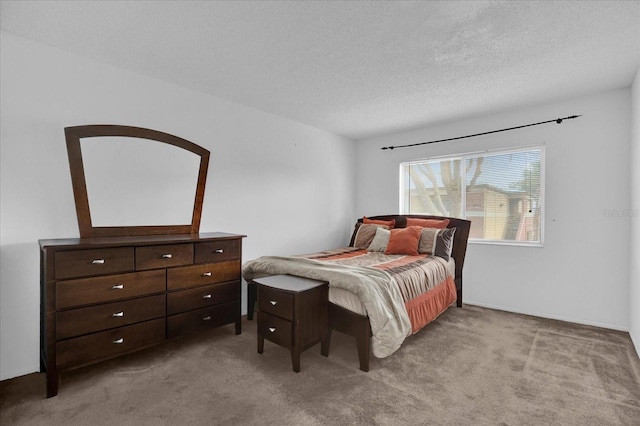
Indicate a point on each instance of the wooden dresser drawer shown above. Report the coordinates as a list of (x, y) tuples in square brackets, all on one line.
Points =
[(201, 297), (215, 251), (86, 349), (202, 319), (199, 275), (275, 302), (83, 263), (275, 329), (80, 321), (86, 291), (163, 256)]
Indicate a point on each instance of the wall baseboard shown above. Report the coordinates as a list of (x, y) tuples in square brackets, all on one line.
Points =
[(553, 317), (636, 342)]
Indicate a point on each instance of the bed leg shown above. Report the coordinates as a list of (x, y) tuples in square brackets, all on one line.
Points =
[(363, 343), (252, 296)]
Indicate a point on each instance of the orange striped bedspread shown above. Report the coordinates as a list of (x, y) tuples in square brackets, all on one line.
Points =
[(426, 282)]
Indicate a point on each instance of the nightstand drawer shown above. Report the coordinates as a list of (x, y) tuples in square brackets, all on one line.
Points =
[(82, 350), (83, 263), (80, 321), (202, 319), (163, 256), (275, 302), (87, 291), (201, 297), (215, 251), (275, 329), (199, 275)]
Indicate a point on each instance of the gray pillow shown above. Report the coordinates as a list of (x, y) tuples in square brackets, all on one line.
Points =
[(437, 242), (363, 234), (380, 240)]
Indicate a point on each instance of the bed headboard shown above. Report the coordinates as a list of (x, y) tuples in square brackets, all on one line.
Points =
[(460, 238)]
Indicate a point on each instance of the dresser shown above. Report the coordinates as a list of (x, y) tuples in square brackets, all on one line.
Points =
[(108, 296)]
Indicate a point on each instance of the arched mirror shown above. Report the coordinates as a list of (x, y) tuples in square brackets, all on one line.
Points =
[(135, 181)]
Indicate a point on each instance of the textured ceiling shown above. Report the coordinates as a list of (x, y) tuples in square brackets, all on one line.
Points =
[(357, 69)]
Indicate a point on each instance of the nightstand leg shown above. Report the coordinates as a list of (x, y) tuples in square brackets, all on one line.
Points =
[(295, 359), (325, 342)]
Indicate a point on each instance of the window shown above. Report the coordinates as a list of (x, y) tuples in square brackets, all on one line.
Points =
[(500, 192)]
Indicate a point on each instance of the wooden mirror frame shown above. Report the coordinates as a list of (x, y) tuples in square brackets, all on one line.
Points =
[(76, 165)]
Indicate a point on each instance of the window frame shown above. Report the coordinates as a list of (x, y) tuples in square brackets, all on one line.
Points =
[(403, 207)]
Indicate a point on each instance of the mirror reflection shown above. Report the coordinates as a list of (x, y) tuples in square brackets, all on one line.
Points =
[(138, 182)]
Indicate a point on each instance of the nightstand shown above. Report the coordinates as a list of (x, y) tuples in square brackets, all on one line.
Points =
[(292, 312)]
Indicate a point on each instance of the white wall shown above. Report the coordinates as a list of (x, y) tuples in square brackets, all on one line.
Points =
[(288, 186), (634, 299), (582, 272)]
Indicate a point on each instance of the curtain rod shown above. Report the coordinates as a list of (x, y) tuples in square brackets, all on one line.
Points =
[(557, 120)]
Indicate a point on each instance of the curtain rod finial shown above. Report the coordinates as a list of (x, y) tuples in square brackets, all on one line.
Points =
[(559, 120)]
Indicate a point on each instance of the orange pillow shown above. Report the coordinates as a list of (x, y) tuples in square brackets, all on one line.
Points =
[(390, 223), (404, 241), (428, 223)]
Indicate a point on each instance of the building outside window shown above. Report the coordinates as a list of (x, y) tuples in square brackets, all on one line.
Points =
[(500, 192)]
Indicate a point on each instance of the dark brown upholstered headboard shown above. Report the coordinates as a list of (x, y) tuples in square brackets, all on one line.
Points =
[(460, 239)]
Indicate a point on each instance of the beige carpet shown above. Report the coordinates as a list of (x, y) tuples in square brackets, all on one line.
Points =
[(472, 366)]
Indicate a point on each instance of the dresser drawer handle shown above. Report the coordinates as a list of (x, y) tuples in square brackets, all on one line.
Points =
[(273, 302), (117, 287), (219, 251), (118, 314), (272, 329), (167, 256), (206, 274), (207, 296), (207, 318), (118, 341), (97, 261)]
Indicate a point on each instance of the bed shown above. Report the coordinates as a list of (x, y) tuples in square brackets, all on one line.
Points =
[(398, 274)]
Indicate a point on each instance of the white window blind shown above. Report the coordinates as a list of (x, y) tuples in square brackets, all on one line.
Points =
[(500, 192)]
